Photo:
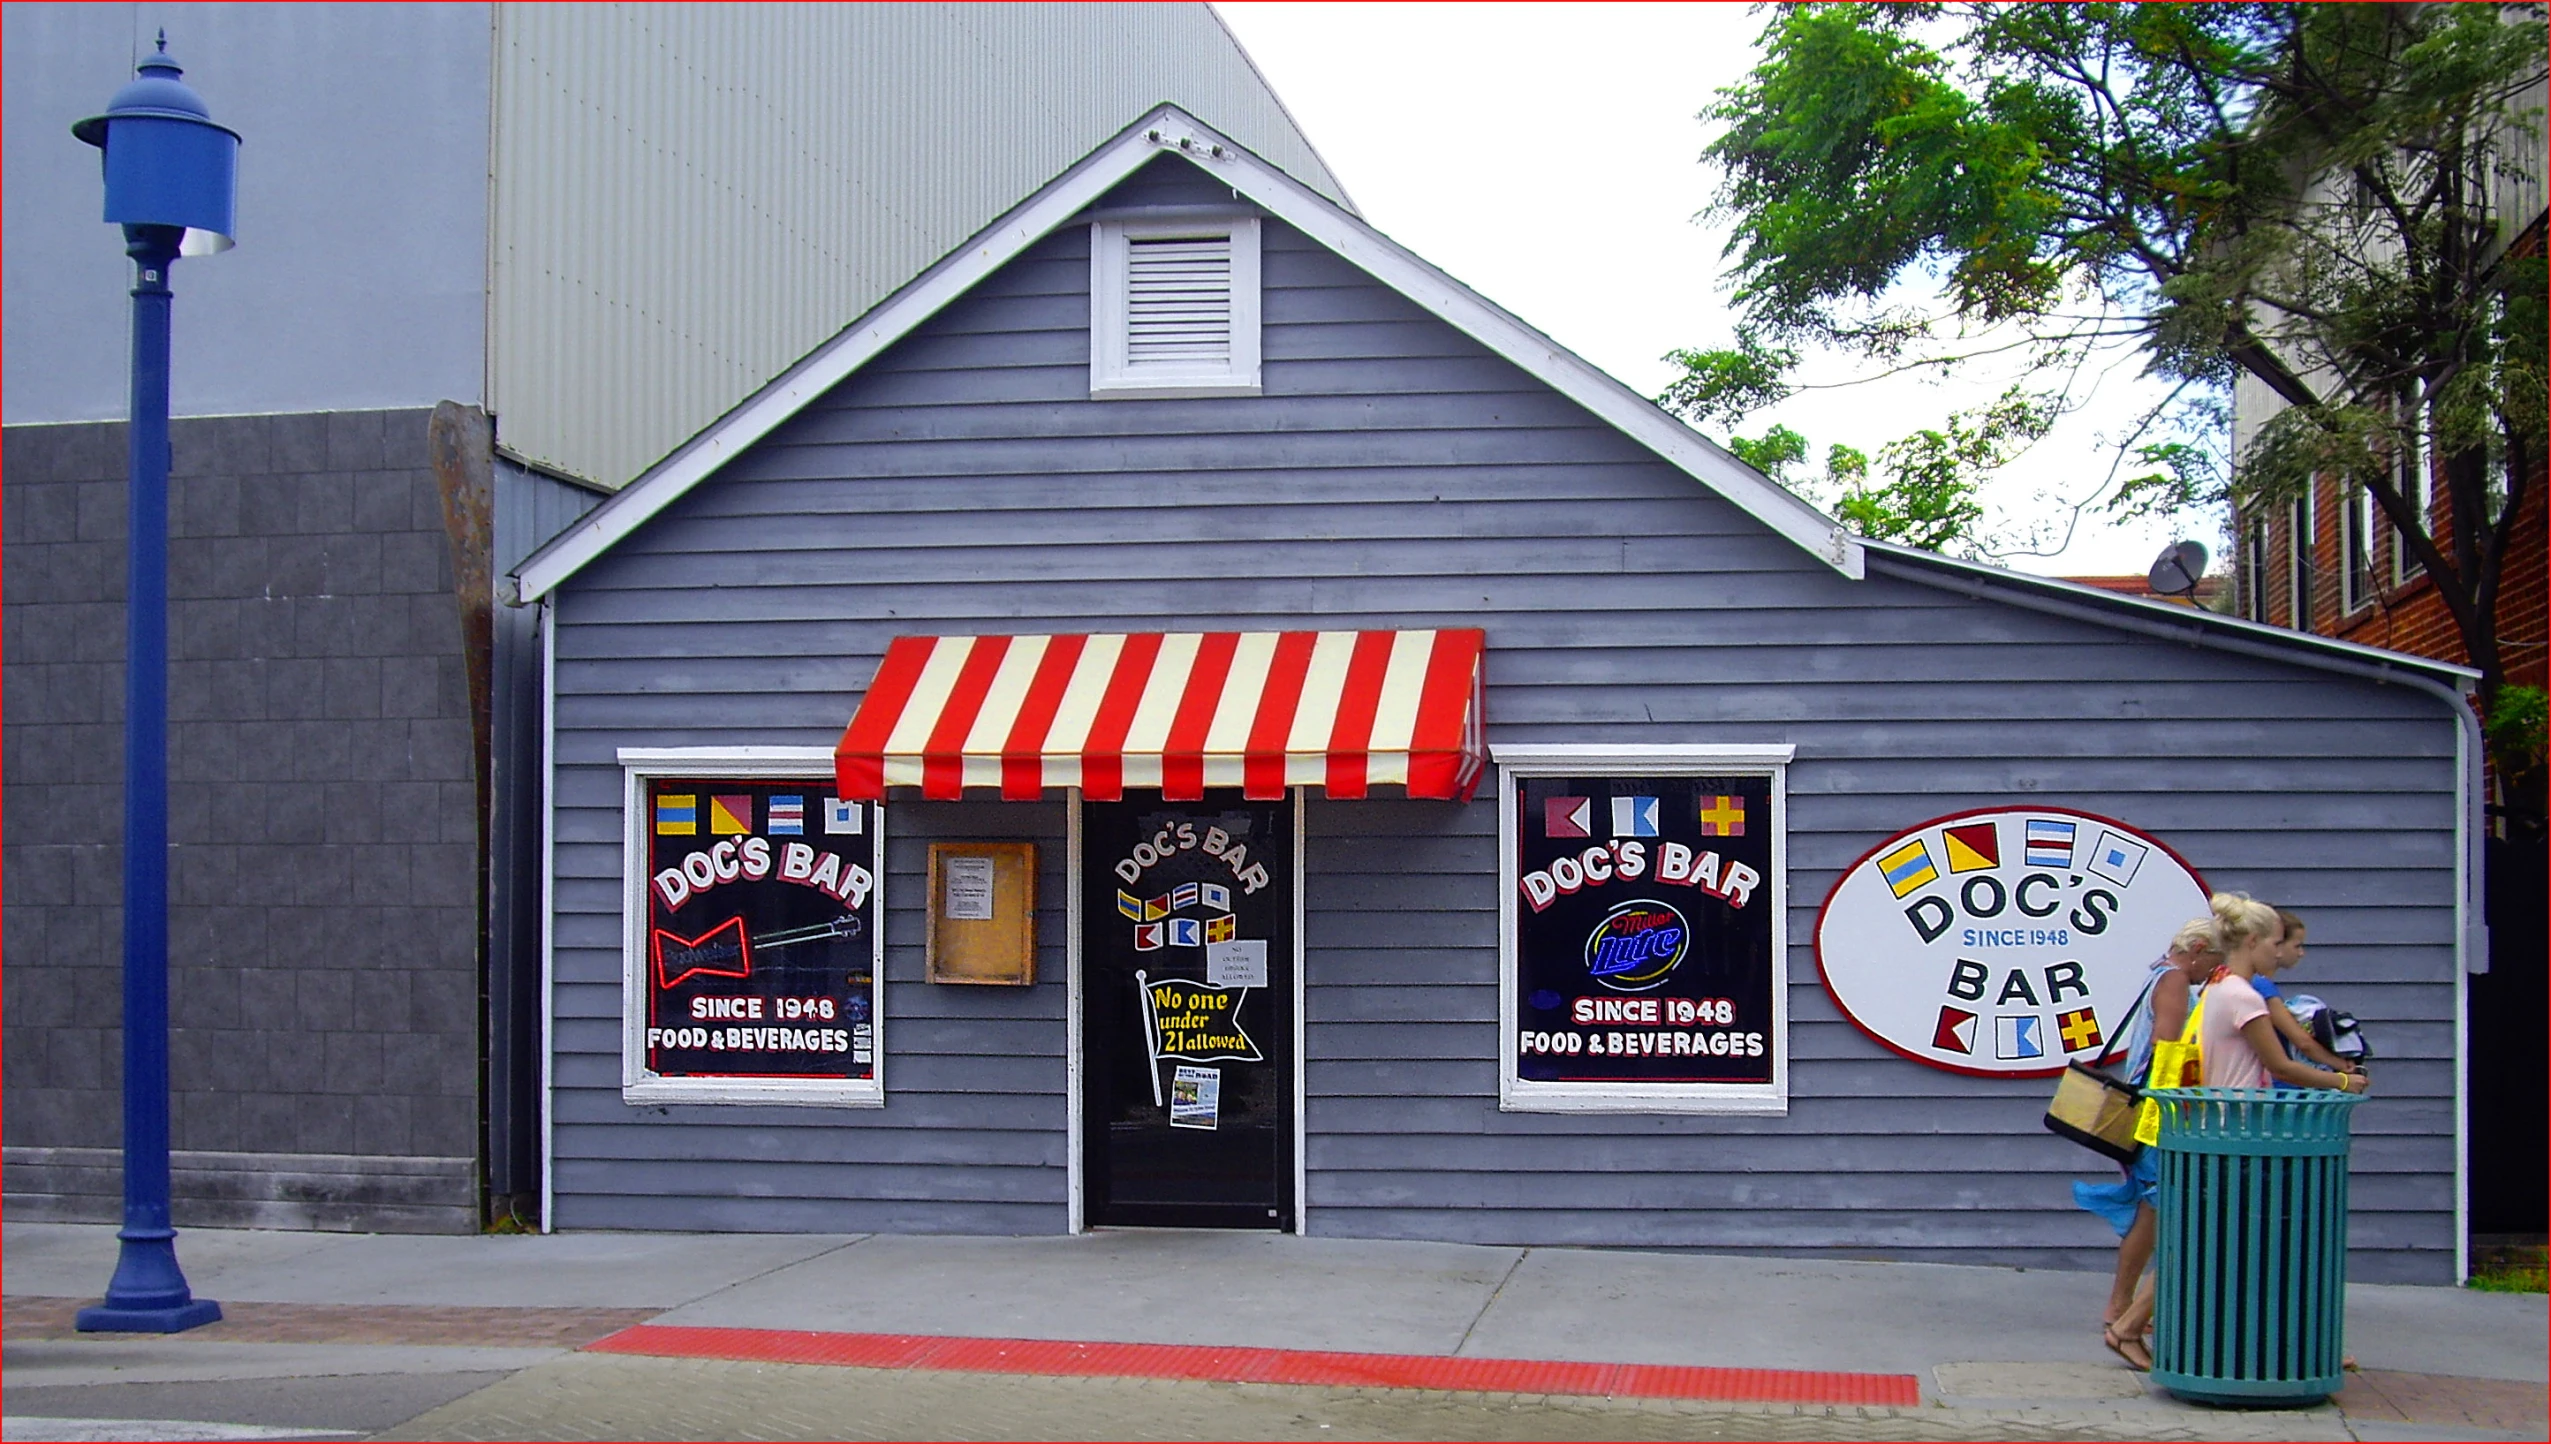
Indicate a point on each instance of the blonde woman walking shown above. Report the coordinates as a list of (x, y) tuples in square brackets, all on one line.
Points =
[(2240, 1049)]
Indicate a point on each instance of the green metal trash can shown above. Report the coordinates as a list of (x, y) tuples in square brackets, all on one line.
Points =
[(2251, 1303)]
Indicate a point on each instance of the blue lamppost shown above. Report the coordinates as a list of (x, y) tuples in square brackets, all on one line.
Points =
[(170, 174)]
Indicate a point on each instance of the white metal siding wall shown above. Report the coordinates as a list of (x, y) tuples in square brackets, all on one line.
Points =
[(688, 198)]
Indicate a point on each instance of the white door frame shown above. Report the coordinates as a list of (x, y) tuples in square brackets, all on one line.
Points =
[(1075, 1060)]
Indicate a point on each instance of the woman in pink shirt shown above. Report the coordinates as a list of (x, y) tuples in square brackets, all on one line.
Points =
[(2237, 1038)]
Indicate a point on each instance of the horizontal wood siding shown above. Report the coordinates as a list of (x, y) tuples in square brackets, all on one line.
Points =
[(1396, 474)]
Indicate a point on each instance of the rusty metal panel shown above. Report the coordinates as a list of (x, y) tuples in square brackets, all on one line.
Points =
[(687, 198)]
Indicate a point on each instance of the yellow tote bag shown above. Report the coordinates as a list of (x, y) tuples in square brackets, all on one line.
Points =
[(2174, 1065)]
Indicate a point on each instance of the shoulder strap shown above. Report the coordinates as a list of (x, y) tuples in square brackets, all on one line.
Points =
[(2151, 978)]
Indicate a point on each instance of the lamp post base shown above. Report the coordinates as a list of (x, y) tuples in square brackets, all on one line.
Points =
[(107, 1319), (148, 1294)]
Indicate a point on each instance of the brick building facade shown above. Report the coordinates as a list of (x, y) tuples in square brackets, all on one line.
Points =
[(2331, 563)]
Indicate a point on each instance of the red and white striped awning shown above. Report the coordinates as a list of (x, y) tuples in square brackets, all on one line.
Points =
[(1180, 711)]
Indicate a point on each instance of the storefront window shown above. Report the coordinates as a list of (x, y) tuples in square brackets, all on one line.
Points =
[(752, 947), (1645, 959)]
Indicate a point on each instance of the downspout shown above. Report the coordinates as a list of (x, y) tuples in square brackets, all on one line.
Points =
[(2471, 923)]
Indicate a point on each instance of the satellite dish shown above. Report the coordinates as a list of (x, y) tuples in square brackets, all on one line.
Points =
[(2176, 570)]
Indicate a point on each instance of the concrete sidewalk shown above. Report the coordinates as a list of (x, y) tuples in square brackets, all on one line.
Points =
[(454, 1318)]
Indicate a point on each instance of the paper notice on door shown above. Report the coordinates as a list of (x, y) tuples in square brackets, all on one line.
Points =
[(1236, 964), (967, 884), (1195, 1097)]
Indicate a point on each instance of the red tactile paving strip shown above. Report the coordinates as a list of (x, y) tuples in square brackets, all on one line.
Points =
[(1265, 1366)]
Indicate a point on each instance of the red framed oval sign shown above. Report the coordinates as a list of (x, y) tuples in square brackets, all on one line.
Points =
[(2002, 942)]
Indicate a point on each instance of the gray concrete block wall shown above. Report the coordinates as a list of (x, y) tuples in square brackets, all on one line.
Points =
[(323, 871)]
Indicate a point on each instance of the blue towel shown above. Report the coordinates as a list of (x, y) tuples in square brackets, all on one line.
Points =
[(2117, 1202)]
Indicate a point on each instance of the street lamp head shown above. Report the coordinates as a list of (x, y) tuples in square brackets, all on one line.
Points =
[(167, 163)]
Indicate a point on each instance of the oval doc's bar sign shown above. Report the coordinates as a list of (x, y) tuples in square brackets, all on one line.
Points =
[(2004, 942)]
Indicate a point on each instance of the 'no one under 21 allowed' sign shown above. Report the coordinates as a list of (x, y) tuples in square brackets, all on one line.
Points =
[(2006, 942)]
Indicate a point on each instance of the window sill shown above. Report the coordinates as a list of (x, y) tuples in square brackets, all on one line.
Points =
[(1147, 390)]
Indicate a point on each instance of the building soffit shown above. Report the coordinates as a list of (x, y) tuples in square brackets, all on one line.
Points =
[(1170, 131)]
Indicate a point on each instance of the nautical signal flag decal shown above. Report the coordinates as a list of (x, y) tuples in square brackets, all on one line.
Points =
[(677, 814), (2116, 858), (2050, 843), (2019, 1035), (1222, 929), (1567, 817), (1155, 908), (1722, 816), (1130, 905), (731, 814), (1974, 848), (1186, 932), (2079, 1029), (1956, 1031), (841, 815), (1634, 816), (1182, 896), (1147, 937), (1908, 867), (788, 816), (1214, 895)]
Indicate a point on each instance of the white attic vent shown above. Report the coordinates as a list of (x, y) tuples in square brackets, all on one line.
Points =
[(1174, 307)]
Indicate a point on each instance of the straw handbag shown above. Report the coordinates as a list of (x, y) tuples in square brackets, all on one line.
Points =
[(2098, 1111)]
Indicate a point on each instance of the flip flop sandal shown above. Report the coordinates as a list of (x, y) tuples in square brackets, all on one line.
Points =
[(2140, 1360)]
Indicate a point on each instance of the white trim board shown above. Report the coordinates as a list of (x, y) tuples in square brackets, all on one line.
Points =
[(1301, 1027), (1170, 131), (1075, 1063), (548, 625)]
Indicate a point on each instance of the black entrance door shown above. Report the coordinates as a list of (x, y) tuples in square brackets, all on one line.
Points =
[(1187, 1011)]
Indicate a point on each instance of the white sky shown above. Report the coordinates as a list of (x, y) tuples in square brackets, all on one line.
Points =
[(1548, 156)]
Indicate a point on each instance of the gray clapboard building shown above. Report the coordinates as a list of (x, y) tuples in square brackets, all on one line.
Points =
[(494, 260), (1435, 600)]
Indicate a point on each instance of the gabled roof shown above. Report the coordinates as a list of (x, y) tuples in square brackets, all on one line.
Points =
[(2192, 625), (1170, 131)]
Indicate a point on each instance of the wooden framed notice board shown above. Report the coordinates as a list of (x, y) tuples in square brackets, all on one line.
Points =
[(983, 913)]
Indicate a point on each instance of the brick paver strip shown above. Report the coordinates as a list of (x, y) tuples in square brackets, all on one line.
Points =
[(1264, 1366), (26, 1317)]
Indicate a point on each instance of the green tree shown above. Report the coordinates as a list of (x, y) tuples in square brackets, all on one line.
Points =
[(1927, 491), (2302, 195)]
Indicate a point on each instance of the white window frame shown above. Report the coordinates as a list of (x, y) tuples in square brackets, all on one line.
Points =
[(638, 1083), (2302, 516), (2356, 589), (1111, 373), (1516, 1094), (2417, 487), (2254, 570)]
